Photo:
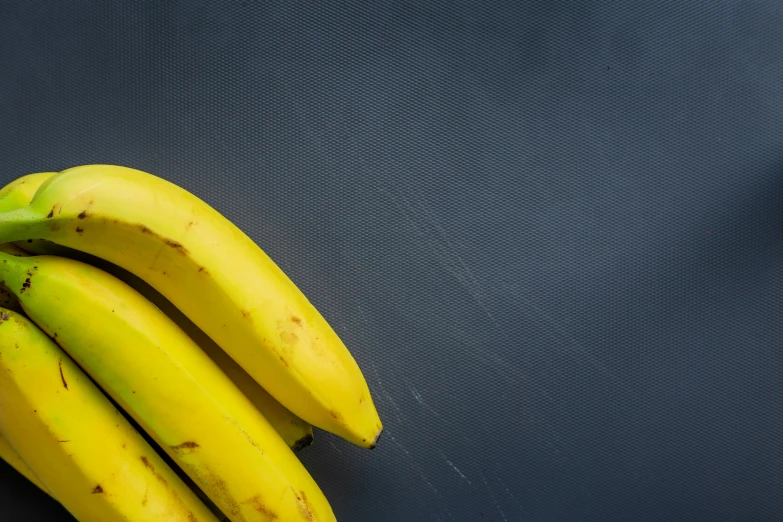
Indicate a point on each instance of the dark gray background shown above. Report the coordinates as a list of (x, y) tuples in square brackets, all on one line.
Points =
[(550, 232)]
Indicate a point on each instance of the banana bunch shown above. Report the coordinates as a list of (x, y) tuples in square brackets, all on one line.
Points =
[(124, 295)]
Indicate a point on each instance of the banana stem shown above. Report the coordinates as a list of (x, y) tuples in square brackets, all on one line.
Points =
[(10, 268), (17, 225)]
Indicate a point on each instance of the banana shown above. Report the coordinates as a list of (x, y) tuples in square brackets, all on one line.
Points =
[(10, 456), (169, 386), (297, 433), (82, 449), (217, 276)]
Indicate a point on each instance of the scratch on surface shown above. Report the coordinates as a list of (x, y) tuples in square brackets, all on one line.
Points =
[(563, 333), (384, 392), (429, 230), (441, 245), (435, 414), (455, 468), (511, 495), (361, 312), (493, 498), (335, 447), (416, 395), (413, 461), (462, 273)]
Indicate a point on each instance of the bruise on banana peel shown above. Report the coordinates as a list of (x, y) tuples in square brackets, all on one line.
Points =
[(219, 487), (160, 478), (166, 241), (185, 448), (259, 506)]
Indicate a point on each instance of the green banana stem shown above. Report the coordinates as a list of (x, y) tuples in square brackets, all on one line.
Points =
[(17, 225)]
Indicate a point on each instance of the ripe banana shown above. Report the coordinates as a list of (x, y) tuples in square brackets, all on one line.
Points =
[(169, 386), (80, 447), (9, 455), (297, 433), (217, 276)]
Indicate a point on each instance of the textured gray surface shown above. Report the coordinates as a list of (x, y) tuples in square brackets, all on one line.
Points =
[(550, 232)]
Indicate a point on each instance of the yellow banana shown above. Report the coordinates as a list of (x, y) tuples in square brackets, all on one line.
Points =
[(169, 386), (296, 432), (8, 454), (80, 447), (217, 276)]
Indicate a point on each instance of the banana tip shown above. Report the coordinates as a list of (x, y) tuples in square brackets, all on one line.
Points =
[(377, 438), (303, 442)]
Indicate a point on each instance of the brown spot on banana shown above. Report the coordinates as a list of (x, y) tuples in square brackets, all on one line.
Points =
[(211, 482), (304, 507), (169, 242), (149, 466), (259, 506), (289, 337), (175, 245), (62, 375), (186, 448), (97, 489)]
